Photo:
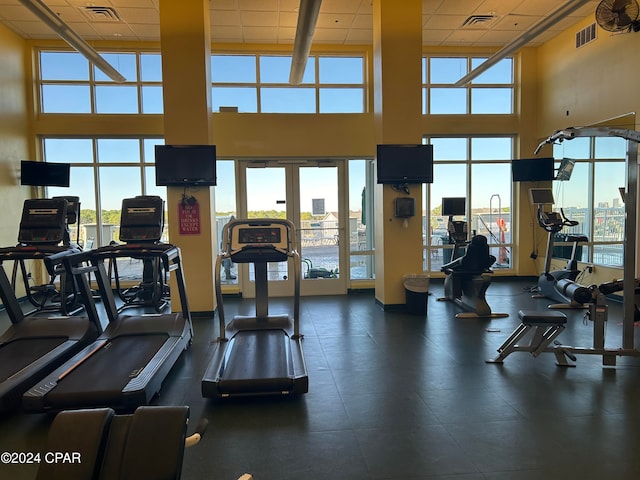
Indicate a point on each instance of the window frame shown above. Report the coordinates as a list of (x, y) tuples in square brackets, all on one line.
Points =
[(318, 87), (94, 84), (502, 250), (468, 89)]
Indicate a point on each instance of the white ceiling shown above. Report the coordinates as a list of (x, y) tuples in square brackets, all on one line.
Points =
[(341, 22)]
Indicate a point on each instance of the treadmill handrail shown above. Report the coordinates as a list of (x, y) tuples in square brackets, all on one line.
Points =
[(23, 252), (168, 253), (228, 253)]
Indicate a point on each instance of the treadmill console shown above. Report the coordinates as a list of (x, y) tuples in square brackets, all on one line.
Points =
[(43, 221), (142, 219), (259, 235), (251, 242)]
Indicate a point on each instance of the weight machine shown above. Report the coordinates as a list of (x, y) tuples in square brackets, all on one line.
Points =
[(546, 326)]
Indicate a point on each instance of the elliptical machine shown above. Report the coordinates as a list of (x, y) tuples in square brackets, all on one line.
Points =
[(549, 282)]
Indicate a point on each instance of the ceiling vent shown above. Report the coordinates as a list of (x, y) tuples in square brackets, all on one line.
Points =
[(478, 20), (100, 14), (586, 35)]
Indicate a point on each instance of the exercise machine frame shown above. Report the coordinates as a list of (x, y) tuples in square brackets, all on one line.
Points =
[(629, 282), (548, 281)]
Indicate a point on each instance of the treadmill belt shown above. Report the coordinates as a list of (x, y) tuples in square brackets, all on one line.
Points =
[(20, 353), (258, 362), (102, 377)]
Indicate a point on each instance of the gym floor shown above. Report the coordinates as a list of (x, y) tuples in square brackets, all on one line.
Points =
[(397, 396)]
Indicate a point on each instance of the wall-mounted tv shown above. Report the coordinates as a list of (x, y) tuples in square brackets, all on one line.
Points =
[(399, 164), (185, 165), (532, 169), (453, 206), (44, 174)]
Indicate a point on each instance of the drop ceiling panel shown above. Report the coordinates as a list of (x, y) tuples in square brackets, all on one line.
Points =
[(272, 21)]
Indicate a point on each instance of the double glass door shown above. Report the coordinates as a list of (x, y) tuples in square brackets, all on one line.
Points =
[(311, 195)]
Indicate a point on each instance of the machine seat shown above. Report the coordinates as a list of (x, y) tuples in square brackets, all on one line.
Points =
[(542, 318)]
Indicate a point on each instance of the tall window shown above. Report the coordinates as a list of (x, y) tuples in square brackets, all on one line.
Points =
[(361, 219), (225, 201), (591, 195), (491, 92), (70, 84), (103, 172), (479, 169), (260, 84)]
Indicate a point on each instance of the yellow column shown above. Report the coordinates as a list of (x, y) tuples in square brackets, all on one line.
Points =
[(186, 76), (397, 36)]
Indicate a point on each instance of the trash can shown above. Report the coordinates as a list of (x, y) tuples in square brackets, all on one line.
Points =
[(416, 289)]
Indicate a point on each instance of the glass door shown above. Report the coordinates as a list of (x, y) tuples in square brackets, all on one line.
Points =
[(308, 194), (321, 230)]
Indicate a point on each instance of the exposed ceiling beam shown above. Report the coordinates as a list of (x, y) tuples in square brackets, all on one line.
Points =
[(539, 27), (307, 19), (65, 32)]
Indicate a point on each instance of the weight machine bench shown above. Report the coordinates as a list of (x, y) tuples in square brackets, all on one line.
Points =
[(544, 327)]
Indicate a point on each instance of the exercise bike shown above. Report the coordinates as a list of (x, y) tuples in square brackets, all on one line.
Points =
[(549, 285), (468, 276)]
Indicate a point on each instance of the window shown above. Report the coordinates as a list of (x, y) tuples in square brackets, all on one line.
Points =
[(103, 172), (361, 218), (225, 201), (491, 92), (69, 84), (591, 196), (260, 84), (479, 169)]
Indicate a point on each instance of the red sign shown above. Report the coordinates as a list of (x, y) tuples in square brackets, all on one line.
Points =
[(189, 218)]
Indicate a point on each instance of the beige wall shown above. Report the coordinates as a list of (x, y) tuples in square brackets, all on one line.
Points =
[(14, 144), (593, 83), (587, 86)]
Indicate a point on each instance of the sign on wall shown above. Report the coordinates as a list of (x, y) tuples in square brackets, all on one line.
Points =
[(189, 218)]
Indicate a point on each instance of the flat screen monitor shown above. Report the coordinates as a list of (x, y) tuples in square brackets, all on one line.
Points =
[(453, 206), (533, 169), (541, 196), (44, 174), (398, 164), (185, 165), (565, 170)]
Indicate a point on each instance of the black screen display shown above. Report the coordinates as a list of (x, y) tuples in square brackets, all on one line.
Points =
[(532, 169), (44, 174), (185, 165), (397, 164), (259, 235), (453, 206)]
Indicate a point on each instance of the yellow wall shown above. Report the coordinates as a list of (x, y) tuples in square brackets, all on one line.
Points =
[(593, 83), (14, 143), (586, 86)]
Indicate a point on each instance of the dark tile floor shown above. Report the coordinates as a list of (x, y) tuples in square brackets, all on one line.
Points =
[(396, 396)]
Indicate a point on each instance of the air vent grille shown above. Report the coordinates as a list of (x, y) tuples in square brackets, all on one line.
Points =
[(100, 14), (476, 20), (586, 35)]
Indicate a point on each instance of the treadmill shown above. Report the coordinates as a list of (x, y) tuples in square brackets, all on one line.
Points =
[(35, 344), (263, 353), (143, 211), (126, 365), (40, 226)]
